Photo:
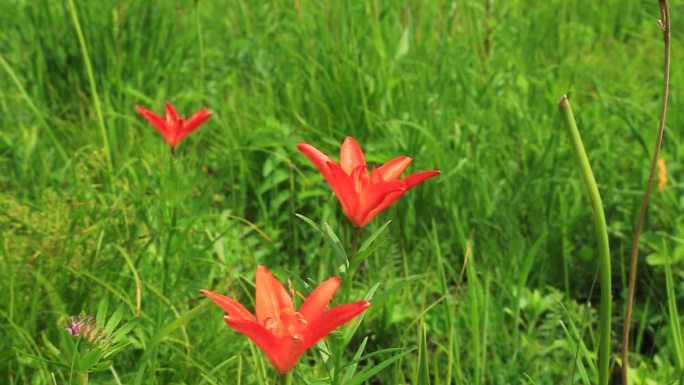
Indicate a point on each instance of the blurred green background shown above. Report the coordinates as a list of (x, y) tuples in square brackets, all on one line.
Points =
[(495, 258)]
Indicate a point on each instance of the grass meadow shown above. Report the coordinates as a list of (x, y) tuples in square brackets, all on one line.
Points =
[(485, 274)]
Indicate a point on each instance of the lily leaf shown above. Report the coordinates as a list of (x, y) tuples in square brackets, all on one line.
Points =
[(351, 367), (328, 234), (369, 246)]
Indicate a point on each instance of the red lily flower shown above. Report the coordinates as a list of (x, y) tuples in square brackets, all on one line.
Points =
[(174, 128), (363, 195), (281, 332)]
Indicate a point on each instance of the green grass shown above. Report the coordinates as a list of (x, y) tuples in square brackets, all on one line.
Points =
[(488, 270)]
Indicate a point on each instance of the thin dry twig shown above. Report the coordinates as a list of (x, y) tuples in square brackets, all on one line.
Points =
[(664, 24)]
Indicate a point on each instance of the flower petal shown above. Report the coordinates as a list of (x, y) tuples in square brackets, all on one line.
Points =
[(193, 123), (329, 321), (409, 182), (318, 300), (279, 351), (319, 159), (343, 186), (153, 118), (171, 114), (375, 175), (393, 168), (351, 155), (374, 194), (271, 296), (386, 202), (419, 177), (156, 121), (232, 307)]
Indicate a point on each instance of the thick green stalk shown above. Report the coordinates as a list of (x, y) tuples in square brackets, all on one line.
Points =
[(601, 233)]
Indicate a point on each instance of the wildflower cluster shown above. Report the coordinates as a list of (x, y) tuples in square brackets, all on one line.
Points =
[(282, 332)]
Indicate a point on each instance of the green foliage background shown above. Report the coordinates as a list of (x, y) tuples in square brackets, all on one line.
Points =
[(496, 257)]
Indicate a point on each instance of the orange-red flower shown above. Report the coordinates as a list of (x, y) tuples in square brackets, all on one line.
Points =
[(174, 128), (281, 332), (363, 195)]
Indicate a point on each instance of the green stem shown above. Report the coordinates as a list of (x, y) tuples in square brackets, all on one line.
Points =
[(284, 378), (354, 244), (349, 276), (601, 234), (173, 201)]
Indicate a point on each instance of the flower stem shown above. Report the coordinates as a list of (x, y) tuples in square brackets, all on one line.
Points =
[(665, 26), (354, 244), (601, 233), (170, 232), (349, 275), (284, 378)]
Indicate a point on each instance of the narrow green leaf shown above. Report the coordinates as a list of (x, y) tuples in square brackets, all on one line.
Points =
[(68, 343), (115, 319), (366, 374), (90, 359), (371, 355), (328, 234), (209, 379), (101, 366), (387, 293), (310, 223), (125, 328), (35, 357), (423, 375), (301, 282), (50, 346), (349, 333), (102, 311), (335, 241), (373, 237), (178, 322), (351, 367), (673, 317), (112, 350)]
